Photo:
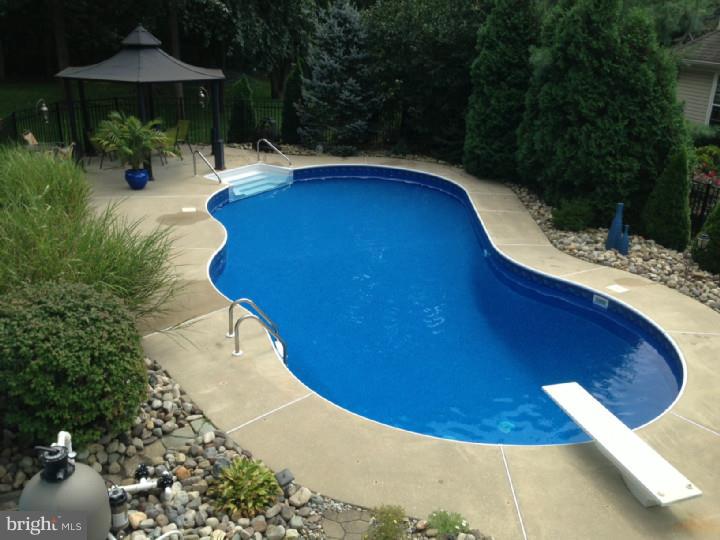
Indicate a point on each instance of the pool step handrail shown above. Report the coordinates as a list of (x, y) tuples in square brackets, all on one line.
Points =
[(271, 145), (648, 476), (199, 153), (247, 302), (236, 332)]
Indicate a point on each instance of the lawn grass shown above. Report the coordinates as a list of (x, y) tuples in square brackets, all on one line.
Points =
[(16, 96), (19, 95)]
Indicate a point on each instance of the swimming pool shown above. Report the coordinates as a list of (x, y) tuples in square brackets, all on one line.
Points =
[(396, 306)]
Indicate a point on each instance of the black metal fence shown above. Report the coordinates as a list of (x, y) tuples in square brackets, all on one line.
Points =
[(703, 198), (55, 127)]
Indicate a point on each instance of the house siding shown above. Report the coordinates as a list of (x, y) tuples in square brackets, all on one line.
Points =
[(694, 88)]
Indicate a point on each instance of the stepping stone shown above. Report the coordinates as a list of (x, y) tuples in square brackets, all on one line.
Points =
[(179, 438)]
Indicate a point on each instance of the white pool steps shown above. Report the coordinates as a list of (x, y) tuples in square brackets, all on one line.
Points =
[(254, 185), (255, 179), (652, 479)]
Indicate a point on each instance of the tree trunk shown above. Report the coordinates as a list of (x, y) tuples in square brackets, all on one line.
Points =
[(2, 61), (172, 10), (278, 77), (58, 21)]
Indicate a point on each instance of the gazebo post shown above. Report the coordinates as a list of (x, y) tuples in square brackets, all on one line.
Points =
[(71, 117), (86, 147), (216, 134), (151, 101)]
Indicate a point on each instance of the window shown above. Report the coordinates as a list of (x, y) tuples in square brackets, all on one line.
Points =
[(715, 110)]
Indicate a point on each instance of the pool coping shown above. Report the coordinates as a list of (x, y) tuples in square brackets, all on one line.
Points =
[(365, 463)]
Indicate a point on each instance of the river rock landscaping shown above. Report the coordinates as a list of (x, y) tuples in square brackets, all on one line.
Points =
[(646, 258), (172, 434)]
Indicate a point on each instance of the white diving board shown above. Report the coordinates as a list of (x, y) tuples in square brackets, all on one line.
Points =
[(647, 474)]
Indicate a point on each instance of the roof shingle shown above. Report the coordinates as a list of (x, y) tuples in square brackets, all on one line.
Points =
[(703, 50)]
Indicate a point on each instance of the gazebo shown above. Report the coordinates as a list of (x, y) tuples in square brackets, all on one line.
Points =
[(142, 62)]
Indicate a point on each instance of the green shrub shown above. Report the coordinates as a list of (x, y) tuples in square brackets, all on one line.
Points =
[(666, 216), (578, 138), (448, 522), (342, 150), (388, 523), (707, 159), (573, 215), (70, 359), (49, 231), (421, 55), (292, 96), (247, 486), (708, 258), (500, 76), (703, 135), (243, 120)]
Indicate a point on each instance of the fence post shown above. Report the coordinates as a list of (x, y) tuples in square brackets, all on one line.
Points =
[(16, 135), (58, 119)]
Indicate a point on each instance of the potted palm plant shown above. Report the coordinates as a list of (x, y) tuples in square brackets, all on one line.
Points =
[(133, 142)]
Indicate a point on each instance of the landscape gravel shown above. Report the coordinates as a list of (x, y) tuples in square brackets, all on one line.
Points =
[(172, 434), (646, 258)]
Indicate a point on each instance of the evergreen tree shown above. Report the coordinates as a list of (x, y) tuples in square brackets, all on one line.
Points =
[(667, 214), (601, 114), (338, 103), (242, 118), (422, 51), (500, 76), (291, 99)]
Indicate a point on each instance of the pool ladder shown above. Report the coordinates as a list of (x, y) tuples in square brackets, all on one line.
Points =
[(274, 149), (262, 318)]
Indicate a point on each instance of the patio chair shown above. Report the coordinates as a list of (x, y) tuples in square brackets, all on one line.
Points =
[(178, 135), (53, 148), (98, 150)]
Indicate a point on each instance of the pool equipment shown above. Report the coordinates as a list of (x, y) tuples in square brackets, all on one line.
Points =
[(615, 232), (66, 486)]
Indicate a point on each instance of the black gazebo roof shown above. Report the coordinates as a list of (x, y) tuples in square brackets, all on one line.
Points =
[(141, 60)]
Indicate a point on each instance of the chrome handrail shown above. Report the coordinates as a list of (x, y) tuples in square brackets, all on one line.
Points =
[(271, 145), (199, 153), (248, 302), (273, 333)]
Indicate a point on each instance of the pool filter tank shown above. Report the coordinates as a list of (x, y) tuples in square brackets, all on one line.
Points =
[(66, 486)]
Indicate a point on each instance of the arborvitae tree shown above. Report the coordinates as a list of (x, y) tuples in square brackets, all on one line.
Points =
[(338, 103), (242, 118), (709, 257), (500, 76), (601, 115), (667, 213), (292, 97)]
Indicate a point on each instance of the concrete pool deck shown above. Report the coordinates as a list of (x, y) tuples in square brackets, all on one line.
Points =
[(510, 492)]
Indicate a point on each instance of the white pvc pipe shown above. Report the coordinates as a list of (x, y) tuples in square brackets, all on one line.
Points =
[(144, 485), (65, 439), (168, 534)]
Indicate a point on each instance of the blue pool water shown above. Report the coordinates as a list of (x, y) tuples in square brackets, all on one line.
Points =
[(394, 305)]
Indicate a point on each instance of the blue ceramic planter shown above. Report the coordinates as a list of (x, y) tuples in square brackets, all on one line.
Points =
[(136, 178)]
